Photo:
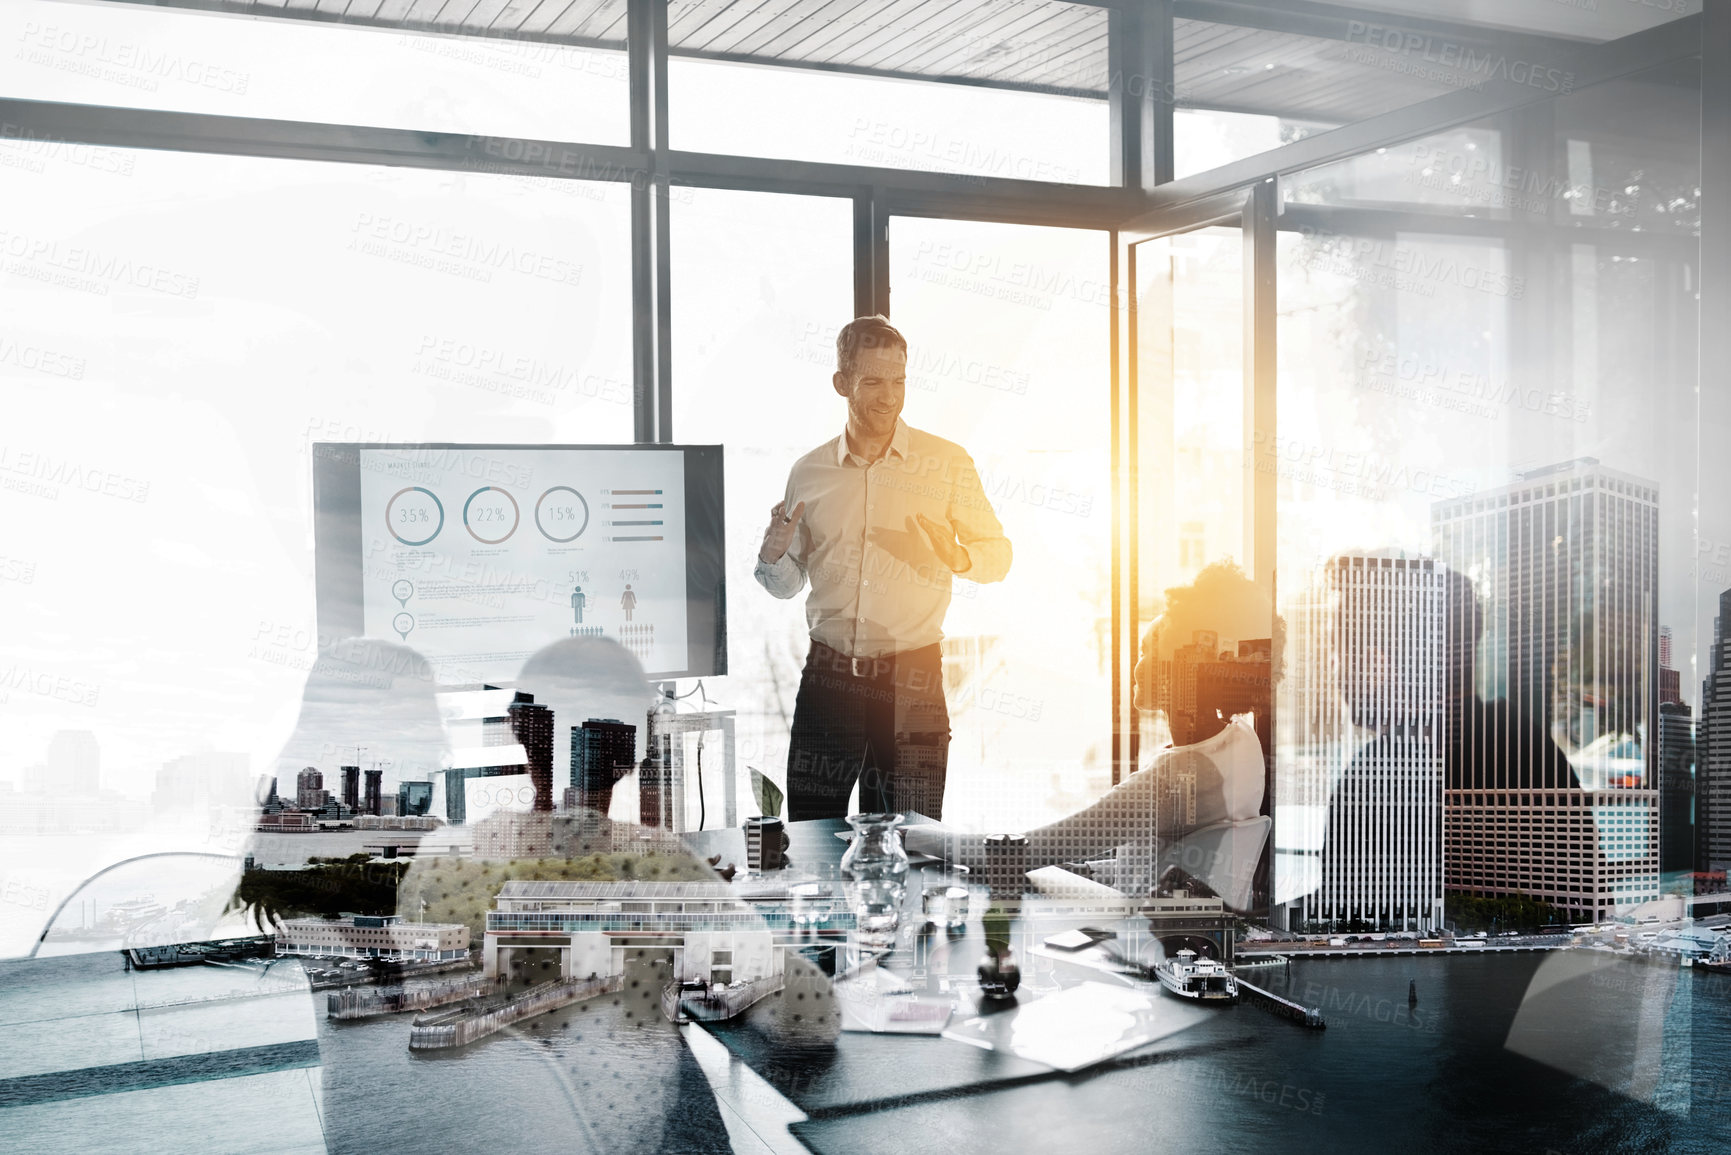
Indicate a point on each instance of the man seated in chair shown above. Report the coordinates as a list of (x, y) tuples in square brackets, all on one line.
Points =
[(1198, 804)]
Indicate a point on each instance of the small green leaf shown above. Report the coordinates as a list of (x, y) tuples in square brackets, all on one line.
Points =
[(768, 794)]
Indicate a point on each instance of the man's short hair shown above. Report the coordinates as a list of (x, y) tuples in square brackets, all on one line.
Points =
[(874, 332)]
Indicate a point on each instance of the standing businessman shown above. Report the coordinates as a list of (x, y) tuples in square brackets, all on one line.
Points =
[(878, 519)]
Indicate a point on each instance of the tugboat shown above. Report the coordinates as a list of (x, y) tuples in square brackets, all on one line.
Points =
[(1201, 980)]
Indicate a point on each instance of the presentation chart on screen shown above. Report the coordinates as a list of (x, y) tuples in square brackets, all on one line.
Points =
[(477, 558)]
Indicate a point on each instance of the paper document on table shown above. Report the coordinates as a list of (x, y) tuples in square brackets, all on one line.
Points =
[(1076, 1028), (882, 1003)]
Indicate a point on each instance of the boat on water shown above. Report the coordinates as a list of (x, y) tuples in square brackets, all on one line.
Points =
[(1202, 980), (1718, 959)]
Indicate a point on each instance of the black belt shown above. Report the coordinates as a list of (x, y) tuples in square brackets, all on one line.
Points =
[(868, 667)]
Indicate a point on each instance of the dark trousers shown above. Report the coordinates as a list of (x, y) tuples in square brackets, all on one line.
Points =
[(887, 727)]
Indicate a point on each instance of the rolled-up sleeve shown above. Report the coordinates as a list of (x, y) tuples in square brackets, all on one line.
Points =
[(978, 529), (785, 577)]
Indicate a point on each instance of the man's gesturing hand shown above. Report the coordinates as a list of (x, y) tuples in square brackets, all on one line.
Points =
[(950, 551), (779, 535)]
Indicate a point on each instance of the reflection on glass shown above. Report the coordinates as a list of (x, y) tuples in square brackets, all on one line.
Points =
[(1007, 328), (1210, 650), (761, 282), (1487, 470)]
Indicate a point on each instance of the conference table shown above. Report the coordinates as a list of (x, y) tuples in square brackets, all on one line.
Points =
[(881, 1091)]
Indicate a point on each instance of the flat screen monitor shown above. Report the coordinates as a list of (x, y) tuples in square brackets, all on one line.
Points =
[(479, 555)]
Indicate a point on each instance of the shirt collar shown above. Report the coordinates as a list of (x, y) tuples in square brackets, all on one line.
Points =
[(898, 446)]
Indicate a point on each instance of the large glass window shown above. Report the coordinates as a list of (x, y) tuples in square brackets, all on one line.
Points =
[(564, 80), (179, 330), (1022, 93), (1487, 419), (1008, 344), (1269, 78), (761, 283)]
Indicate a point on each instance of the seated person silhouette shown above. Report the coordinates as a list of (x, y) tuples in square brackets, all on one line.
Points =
[(1197, 805)]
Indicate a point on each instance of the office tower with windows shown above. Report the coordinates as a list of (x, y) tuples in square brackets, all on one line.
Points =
[(414, 799), (603, 750), (1366, 646), (1670, 678), (310, 789), (1554, 655), (1676, 787), (1713, 760), (532, 726), (375, 790), (352, 788)]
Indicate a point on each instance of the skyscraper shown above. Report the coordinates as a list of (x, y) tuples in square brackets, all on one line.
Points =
[(1369, 640), (1713, 761), (414, 799), (375, 790), (1670, 679), (74, 763), (1551, 768), (532, 725), (603, 750), (352, 788), (310, 789), (1676, 787)]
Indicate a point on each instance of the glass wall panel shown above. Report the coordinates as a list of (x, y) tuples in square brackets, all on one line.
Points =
[(1008, 341), (1012, 90), (411, 68), (761, 284), (179, 330), (1491, 511), (1268, 78), (1208, 645)]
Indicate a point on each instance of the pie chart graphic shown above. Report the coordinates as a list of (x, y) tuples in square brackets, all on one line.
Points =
[(490, 515), (414, 515), (561, 514)]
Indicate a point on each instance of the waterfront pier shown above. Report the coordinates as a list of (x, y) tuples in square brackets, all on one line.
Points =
[(1285, 1008), (351, 1004), (460, 1026)]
